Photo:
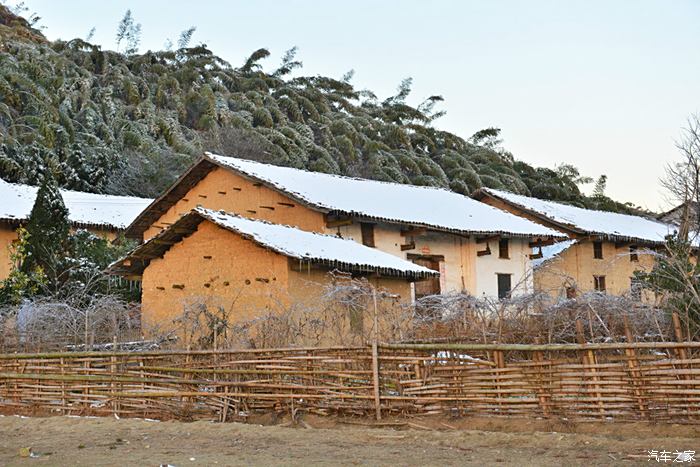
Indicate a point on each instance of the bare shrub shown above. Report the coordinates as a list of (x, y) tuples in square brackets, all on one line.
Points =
[(51, 322), (537, 318), (347, 311), (351, 311)]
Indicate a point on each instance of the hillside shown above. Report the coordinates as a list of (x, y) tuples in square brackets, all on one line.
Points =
[(129, 124)]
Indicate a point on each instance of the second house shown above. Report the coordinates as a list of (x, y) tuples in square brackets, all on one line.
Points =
[(474, 247)]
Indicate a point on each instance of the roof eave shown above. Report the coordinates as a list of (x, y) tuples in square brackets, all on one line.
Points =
[(141, 223), (164, 240), (480, 193)]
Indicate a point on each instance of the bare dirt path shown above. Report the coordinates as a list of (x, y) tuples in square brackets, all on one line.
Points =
[(62, 441)]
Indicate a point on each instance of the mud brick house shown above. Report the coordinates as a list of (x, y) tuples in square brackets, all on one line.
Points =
[(689, 210), (476, 248), (250, 267), (602, 253), (104, 215)]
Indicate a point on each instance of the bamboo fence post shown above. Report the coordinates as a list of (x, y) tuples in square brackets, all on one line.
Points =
[(142, 375), (539, 358), (375, 380), (224, 410), (63, 387), (500, 363), (633, 365), (590, 361), (86, 388), (375, 358), (113, 371), (678, 331), (681, 351)]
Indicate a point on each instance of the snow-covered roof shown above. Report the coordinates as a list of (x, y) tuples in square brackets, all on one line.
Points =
[(288, 241), (84, 209), (611, 225), (552, 251), (392, 202)]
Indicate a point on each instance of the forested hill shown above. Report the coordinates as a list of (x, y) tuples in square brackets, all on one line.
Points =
[(128, 123)]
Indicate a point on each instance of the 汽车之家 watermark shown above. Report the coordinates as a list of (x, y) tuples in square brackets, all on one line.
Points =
[(671, 456)]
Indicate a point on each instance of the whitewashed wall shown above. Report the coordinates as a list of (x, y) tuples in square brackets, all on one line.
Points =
[(462, 269), (518, 265)]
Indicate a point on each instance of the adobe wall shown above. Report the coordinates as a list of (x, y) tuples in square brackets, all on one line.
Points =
[(218, 268), (347, 325), (7, 236), (577, 266), (223, 190), (308, 284)]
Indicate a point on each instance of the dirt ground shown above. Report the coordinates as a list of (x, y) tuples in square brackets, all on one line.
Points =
[(59, 441)]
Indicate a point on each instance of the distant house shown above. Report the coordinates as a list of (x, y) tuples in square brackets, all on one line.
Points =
[(603, 251), (675, 215), (475, 248), (252, 266), (104, 215)]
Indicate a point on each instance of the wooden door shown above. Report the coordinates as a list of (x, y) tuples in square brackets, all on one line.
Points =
[(431, 285)]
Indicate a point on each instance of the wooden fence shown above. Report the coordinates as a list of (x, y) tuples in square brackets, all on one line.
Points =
[(636, 381)]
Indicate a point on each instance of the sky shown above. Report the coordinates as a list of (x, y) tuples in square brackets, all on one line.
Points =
[(604, 85)]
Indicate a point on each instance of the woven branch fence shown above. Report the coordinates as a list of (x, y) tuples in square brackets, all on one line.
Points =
[(635, 381)]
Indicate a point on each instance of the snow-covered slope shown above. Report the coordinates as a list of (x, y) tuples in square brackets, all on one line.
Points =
[(393, 202), (300, 244), (88, 209), (590, 221)]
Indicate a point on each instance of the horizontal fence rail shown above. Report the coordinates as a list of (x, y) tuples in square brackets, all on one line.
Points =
[(644, 381)]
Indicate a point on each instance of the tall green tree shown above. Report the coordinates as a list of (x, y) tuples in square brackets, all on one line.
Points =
[(675, 279), (48, 230)]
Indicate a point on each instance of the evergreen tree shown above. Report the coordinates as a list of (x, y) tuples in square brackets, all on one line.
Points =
[(48, 229), (600, 185), (675, 278)]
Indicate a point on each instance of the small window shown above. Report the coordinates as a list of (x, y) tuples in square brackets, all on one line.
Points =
[(599, 283), (571, 292), (598, 250), (635, 289), (503, 248), (503, 285), (634, 257), (367, 230)]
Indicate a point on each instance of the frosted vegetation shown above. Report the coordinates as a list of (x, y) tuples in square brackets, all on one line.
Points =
[(128, 123)]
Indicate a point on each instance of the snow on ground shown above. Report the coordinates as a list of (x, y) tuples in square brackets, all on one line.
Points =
[(426, 206), (300, 244), (591, 221), (16, 202)]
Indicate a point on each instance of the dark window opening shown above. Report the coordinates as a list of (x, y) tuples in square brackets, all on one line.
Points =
[(599, 283), (367, 231), (431, 285), (571, 292), (634, 257), (503, 285), (598, 250), (503, 248)]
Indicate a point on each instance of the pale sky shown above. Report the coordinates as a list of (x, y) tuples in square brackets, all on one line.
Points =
[(603, 85)]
